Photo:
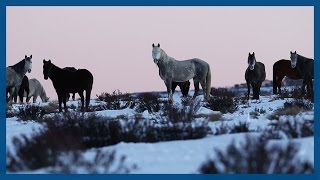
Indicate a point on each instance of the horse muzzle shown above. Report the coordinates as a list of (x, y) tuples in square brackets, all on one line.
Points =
[(251, 68), (293, 65), (45, 77), (29, 70), (156, 61)]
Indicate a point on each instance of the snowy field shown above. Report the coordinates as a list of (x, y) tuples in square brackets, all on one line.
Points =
[(181, 156)]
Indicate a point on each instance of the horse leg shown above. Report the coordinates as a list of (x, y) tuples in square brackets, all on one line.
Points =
[(15, 95), (60, 100), (196, 88), (88, 94), (64, 99), (248, 86), (11, 94), (28, 99), (258, 89), (203, 86), (173, 87), (34, 98), (169, 90), (279, 81), (82, 100), (255, 90)]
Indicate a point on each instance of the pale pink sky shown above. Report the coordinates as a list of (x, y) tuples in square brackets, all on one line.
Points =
[(114, 43)]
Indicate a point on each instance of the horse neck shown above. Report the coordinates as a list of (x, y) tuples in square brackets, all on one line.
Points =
[(55, 70), (19, 67), (43, 94), (164, 59)]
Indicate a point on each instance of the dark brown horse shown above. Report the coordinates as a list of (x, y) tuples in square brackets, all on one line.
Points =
[(255, 75), (65, 82), (281, 69)]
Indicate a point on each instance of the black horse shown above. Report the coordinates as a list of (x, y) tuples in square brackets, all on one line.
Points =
[(281, 69), (255, 75), (184, 87), (305, 67), (24, 87), (72, 69), (65, 82)]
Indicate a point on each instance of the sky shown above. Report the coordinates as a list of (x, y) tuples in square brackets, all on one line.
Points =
[(115, 43)]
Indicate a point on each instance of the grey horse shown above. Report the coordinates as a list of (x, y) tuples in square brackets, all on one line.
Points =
[(305, 67), (171, 70), (15, 74), (255, 75), (35, 90)]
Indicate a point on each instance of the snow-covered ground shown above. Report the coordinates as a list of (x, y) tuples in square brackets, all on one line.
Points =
[(183, 156)]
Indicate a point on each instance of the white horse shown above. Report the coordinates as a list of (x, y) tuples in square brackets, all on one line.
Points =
[(15, 74), (171, 70), (35, 90)]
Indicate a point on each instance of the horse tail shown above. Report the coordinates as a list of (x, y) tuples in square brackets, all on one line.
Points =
[(274, 80), (208, 83)]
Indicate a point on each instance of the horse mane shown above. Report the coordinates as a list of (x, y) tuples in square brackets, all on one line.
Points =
[(19, 67), (304, 58)]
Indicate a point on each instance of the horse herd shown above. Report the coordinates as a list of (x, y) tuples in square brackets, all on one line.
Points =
[(173, 72)]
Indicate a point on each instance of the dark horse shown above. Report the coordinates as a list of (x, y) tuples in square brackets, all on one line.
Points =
[(255, 75), (281, 69), (65, 82), (305, 68), (184, 87), (24, 86), (72, 69)]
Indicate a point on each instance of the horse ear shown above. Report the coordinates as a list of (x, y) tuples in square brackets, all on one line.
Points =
[(249, 54), (290, 52), (49, 61), (158, 45), (295, 52), (253, 53), (31, 56), (152, 44), (44, 60), (25, 56)]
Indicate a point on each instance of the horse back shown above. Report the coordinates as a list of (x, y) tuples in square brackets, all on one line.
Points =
[(283, 68), (73, 81)]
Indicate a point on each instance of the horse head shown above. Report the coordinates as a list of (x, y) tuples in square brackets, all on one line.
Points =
[(27, 63), (156, 53), (293, 57), (47, 66), (251, 61)]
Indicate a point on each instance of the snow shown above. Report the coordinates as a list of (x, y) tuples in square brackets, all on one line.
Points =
[(183, 156), (16, 128)]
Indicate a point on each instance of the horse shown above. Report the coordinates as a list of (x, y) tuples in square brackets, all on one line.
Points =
[(35, 90), (65, 82), (305, 67), (255, 74), (24, 87), (72, 69), (184, 87), (15, 74), (281, 69), (172, 70)]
